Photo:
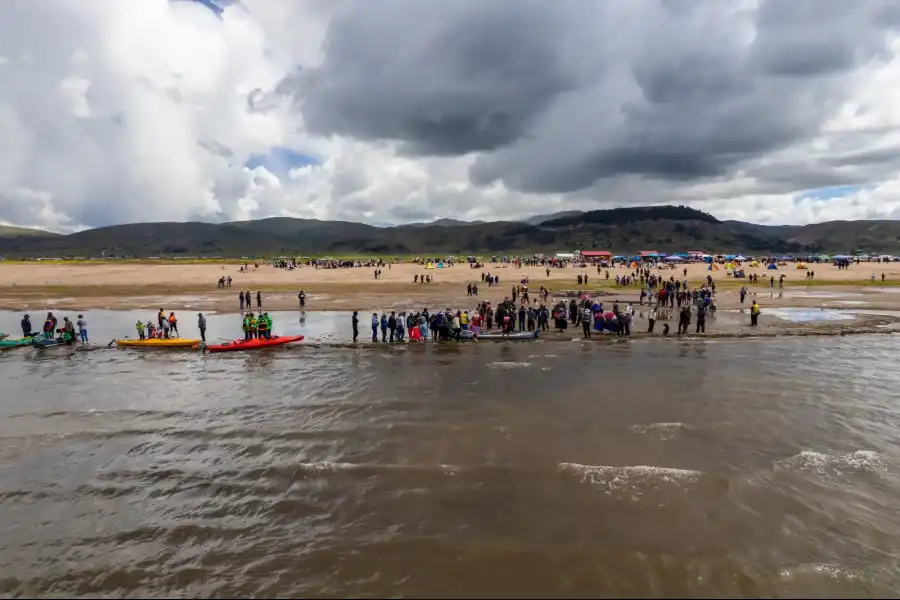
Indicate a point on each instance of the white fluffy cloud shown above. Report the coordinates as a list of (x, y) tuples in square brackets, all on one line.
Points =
[(148, 110)]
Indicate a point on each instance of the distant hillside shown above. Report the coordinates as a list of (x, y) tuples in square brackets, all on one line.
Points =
[(664, 228), (7, 231), (444, 223), (539, 219)]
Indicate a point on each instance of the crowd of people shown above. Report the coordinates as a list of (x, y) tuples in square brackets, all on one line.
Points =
[(445, 325)]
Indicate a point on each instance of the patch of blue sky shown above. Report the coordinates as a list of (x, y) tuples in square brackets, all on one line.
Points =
[(834, 192), (217, 7), (280, 161)]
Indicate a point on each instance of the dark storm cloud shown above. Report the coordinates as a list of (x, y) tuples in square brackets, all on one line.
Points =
[(804, 38), (558, 95), (446, 78)]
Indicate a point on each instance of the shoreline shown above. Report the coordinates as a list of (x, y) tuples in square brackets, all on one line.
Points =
[(729, 324), (192, 288), (605, 339)]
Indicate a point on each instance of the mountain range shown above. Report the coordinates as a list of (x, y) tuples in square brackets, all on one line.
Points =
[(620, 230)]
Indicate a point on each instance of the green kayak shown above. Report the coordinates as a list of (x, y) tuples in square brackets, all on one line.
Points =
[(9, 342)]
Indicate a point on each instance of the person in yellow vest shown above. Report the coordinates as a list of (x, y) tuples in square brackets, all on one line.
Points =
[(754, 314), (253, 325), (246, 326), (140, 329), (262, 327)]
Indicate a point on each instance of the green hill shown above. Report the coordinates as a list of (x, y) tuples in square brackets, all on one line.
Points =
[(7, 231), (663, 228)]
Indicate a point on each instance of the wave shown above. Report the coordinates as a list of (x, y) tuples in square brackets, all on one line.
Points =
[(833, 465), (818, 570), (508, 365), (665, 431), (634, 481)]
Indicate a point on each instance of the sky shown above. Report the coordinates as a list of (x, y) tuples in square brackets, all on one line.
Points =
[(396, 111)]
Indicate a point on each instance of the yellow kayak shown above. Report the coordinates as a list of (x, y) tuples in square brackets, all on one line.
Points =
[(159, 343)]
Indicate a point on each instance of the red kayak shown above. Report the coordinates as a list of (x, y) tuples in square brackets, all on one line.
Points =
[(255, 343)]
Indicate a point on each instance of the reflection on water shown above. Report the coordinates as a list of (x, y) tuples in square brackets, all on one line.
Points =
[(105, 325), (733, 468), (809, 315)]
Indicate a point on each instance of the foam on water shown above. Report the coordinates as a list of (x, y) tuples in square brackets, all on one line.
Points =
[(508, 365), (833, 465), (664, 431), (633, 481), (817, 570), (327, 467)]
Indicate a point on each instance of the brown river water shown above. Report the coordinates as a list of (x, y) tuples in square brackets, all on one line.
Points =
[(538, 469)]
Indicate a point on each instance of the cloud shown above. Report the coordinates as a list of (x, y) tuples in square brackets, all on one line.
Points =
[(172, 110)]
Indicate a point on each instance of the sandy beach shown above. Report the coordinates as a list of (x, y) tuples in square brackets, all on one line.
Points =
[(182, 287)]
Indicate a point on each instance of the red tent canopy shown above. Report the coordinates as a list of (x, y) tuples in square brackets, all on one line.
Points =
[(595, 253)]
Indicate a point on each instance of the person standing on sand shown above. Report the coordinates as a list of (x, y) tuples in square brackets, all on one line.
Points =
[(302, 297), (701, 319), (651, 319), (754, 314), (743, 293), (248, 301), (258, 299), (201, 324), (241, 298), (355, 322)]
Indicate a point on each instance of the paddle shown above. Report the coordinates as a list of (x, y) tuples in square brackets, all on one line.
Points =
[(109, 345)]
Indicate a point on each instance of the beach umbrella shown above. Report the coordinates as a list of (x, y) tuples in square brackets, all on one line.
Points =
[(841, 257), (673, 258), (741, 257)]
